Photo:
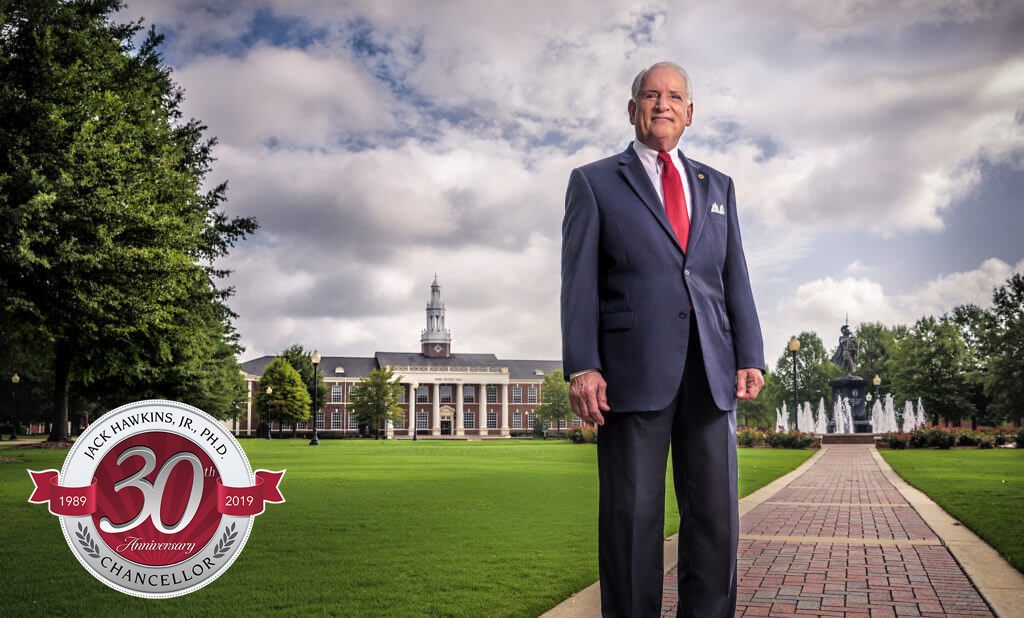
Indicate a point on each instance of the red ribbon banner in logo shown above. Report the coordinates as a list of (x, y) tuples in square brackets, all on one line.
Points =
[(71, 501), (78, 501), (242, 501)]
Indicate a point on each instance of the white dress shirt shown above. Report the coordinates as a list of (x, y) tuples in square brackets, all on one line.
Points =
[(649, 158)]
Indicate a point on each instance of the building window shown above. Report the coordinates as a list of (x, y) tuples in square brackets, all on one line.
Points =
[(352, 424), (421, 420), (421, 395), (401, 396), (301, 425), (517, 421), (400, 424), (576, 420), (492, 420), (336, 394), (492, 394), (561, 423), (517, 394), (319, 420), (446, 393), (469, 420), (335, 420), (531, 395), (531, 420), (468, 394)]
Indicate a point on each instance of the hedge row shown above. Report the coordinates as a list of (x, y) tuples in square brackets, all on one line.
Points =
[(943, 437)]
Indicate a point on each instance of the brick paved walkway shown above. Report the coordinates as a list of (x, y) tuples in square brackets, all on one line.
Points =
[(840, 540)]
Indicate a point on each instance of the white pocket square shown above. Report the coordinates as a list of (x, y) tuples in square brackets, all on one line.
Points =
[(717, 208)]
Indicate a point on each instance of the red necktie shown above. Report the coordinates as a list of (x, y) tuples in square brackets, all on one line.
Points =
[(675, 199)]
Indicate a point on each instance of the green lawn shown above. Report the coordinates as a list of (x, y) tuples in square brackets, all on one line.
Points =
[(984, 489), (369, 528)]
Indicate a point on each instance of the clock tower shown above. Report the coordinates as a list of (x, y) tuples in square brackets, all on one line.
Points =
[(436, 341)]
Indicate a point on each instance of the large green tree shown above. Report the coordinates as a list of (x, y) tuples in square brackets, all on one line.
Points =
[(375, 400), (287, 401), (995, 343), (302, 361), (876, 345), (931, 362), (109, 238), (554, 400)]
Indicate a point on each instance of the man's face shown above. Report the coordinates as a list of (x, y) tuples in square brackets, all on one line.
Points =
[(661, 114)]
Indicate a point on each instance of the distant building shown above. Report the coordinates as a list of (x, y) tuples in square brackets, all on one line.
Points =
[(445, 394)]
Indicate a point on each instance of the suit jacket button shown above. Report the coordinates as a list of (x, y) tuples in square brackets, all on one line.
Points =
[(686, 272), (682, 314)]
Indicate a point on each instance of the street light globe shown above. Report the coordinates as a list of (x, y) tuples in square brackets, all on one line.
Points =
[(315, 357), (877, 380), (794, 344), (269, 390), (15, 379), (867, 396)]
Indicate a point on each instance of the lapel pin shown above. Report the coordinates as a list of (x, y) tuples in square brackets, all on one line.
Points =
[(701, 176)]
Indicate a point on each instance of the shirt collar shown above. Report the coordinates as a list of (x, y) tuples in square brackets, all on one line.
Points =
[(649, 156)]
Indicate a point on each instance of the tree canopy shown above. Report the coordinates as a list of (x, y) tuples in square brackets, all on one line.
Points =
[(109, 244), (554, 399), (375, 399), (288, 401)]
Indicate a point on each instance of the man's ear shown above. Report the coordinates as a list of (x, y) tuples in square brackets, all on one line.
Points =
[(631, 108), (689, 114)]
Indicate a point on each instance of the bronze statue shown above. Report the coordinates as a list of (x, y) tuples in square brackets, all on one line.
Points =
[(847, 350)]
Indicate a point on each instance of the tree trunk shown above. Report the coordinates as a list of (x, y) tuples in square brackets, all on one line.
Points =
[(61, 381)]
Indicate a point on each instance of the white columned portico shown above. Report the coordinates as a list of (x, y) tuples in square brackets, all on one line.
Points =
[(504, 409), (435, 416), (459, 430)]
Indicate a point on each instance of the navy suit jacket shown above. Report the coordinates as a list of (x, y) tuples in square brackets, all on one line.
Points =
[(628, 287)]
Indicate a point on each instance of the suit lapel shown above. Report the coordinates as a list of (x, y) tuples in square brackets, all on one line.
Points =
[(633, 171), (699, 195)]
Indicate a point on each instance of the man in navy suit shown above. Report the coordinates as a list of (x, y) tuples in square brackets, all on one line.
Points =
[(660, 338)]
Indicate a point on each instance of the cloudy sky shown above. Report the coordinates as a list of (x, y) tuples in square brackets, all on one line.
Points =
[(877, 148)]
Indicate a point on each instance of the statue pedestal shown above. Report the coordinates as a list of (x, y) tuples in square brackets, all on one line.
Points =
[(853, 389)]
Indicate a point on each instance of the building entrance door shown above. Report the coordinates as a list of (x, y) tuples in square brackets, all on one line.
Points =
[(446, 428)]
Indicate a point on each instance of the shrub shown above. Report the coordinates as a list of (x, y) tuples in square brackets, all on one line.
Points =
[(919, 437), (942, 437), (896, 439), (790, 439), (1019, 437), (749, 436), (986, 441), (965, 437), (582, 435)]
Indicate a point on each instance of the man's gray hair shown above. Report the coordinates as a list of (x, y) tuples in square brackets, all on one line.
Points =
[(639, 79)]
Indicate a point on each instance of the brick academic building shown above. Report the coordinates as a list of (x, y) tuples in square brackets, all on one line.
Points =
[(447, 394)]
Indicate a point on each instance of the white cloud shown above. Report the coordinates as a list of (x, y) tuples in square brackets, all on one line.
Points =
[(414, 137)]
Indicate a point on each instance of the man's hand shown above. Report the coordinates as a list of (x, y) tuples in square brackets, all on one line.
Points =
[(587, 397), (748, 384)]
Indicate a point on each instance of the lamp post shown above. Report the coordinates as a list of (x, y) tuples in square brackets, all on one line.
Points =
[(315, 357), (412, 411), (270, 391), (794, 347), (876, 381), (17, 406)]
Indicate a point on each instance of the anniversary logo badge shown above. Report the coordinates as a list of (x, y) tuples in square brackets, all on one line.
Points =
[(156, 498)]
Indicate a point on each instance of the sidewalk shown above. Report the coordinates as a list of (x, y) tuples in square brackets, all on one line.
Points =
[(844, 535), (841, 540)]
